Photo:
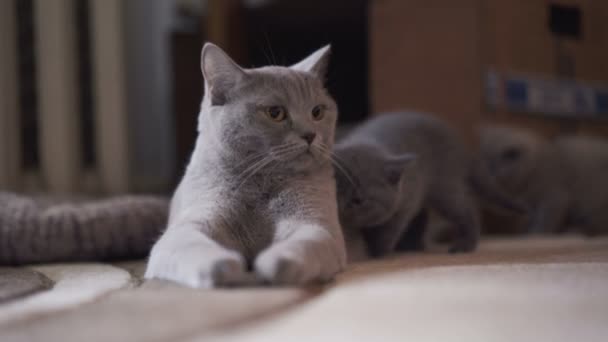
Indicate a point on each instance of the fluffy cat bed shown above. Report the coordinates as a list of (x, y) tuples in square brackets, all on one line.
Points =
[(542, 289)]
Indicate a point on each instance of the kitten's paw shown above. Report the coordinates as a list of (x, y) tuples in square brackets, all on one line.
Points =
[(286, 269)]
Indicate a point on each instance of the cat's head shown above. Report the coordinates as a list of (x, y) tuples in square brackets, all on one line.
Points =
[(368, 181), (509, 154), (283, 114)]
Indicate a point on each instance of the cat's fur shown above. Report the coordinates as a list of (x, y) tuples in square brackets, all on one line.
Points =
[(34, 230), (397, 164), (257, 195), (563, 181)]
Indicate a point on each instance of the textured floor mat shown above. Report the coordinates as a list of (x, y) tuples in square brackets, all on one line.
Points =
[(18, 282)]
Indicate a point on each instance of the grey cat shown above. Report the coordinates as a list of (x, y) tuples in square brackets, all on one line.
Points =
[(563, 181), (258, 196), (394, 166), (34, 230)]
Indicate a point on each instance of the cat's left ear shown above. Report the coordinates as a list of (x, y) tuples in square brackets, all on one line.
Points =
[(317, 63), (396, 166)]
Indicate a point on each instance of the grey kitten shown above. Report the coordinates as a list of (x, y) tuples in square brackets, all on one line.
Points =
[(398, 164), (35, 230), (258, 194), (563, 181)]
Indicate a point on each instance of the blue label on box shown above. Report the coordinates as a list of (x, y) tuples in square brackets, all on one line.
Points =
[(601, 102), (516, 93), (552, 96)]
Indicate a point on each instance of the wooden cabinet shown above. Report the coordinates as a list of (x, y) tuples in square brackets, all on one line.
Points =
[(434, 55)]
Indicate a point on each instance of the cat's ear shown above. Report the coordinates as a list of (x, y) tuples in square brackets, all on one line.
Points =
[(395, 167), (317, 63), (221, 73)]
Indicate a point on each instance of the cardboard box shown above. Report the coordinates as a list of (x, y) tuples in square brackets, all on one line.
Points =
[(434, 55)]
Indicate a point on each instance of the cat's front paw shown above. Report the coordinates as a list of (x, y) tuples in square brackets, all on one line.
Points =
[(282, 270), (287, 269), (199, 268), (225, 272)]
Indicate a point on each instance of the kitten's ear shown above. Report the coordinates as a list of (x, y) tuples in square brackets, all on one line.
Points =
[(395, 167), (221, 73), (316, 63)]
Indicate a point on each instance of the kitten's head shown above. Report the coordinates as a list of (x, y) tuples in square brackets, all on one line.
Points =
[(281, 113), (368, 184), (509, 154)]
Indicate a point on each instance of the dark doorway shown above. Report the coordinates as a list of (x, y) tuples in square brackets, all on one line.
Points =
[(286, 31)]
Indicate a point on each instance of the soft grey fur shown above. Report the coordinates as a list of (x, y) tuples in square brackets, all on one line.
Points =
[(34, 230), (256, 196), (395, 165), (563, 181)]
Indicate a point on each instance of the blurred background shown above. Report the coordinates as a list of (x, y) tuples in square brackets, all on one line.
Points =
[(102, 96)]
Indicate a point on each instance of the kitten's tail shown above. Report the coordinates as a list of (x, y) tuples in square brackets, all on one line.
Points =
[(486, 187), (34, 231)]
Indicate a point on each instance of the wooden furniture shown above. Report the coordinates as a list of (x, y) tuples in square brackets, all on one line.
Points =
[(434, 55)]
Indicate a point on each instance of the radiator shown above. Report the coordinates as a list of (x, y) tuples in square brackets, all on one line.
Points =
[(46, 142)]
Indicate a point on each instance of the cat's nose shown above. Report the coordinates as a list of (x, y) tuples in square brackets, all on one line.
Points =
[(309, 137)]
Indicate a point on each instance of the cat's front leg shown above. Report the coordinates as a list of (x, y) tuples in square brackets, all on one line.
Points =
[(303, 252), (382, 240), (550, 213), (187, 255)]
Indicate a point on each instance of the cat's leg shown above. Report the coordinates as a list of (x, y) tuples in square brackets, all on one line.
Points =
[(549, 214), (303, 252), (457, 205), (187, 255), (414, 237), (383, 240)]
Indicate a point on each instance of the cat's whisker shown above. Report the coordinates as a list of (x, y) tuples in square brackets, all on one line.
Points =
[(334, 156), (335, 161), (255, 156), (253, 170), (344, 172), (253, 166), (258, 157), (274, 61), (332, 153), (257, 166), (268, 60)]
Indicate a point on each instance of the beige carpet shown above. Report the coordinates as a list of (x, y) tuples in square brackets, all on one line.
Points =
[(552, 289)]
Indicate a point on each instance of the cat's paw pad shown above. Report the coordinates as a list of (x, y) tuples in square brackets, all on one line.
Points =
[(284, 270), (220, 272), (225, 272)]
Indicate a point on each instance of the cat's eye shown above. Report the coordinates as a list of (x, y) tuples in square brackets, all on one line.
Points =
[(318, 112), (276, 113)]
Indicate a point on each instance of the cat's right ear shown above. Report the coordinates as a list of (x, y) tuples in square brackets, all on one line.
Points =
[(221, 73), (395, 167)]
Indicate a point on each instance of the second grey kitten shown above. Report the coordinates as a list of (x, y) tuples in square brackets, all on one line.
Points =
[(562, 181), (397, 164)]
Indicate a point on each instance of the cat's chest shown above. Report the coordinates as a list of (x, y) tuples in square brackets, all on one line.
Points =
[(250, 223)]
